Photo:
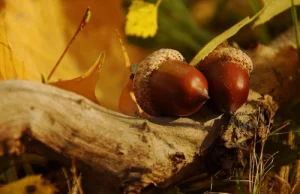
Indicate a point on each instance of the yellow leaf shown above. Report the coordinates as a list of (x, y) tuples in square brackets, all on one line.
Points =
[(38, 32), (272, 8), (219, 39), (142, 19), (29, 184), (34, 32), (86, 84), (10, 67), (84, 21)]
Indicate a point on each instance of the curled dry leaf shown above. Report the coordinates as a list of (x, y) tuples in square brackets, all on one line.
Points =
[(127, 101), (84, 85)]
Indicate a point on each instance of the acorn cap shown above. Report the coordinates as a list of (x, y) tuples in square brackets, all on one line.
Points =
[(141, 81), (226, 54)]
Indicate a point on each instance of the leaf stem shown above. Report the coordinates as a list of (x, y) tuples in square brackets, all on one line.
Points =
[(295, 22), (84, 21), (263, 33)]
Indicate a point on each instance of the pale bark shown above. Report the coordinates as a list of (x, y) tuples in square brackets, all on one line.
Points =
[(131, 152)]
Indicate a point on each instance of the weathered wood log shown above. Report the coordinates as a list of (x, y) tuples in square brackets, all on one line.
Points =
[(130, 152)]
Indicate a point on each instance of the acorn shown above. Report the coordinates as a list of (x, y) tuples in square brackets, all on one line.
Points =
[(165, 85), (227, 70)]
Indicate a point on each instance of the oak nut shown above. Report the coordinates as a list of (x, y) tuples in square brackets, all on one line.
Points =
[(165, 85), (227, 70)]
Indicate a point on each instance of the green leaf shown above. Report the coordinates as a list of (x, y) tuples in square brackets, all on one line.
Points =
[(221, 38), (273, 8)]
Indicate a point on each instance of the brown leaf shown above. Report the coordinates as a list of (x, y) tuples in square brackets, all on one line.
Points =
[(84, 85), (127, 103)]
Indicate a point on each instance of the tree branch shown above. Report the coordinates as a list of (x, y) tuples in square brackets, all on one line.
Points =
[(131, 152), (126, 147)]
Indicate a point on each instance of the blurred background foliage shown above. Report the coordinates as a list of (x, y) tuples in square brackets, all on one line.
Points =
[(38, 31), (189, 25)]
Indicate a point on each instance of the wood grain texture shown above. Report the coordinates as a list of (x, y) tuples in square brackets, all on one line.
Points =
[(131, 152), (132, 149)]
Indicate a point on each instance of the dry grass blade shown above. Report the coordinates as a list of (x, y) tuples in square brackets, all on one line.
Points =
[(77, 188), (260, 164)]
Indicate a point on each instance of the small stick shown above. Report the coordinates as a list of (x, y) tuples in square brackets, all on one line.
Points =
[(84, 21)]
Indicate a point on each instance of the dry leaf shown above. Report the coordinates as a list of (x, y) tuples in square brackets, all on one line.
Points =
[(84, 85), (30, 184), (272, 8), (10, 67), (38, 32), (127, 103), (34, 37)]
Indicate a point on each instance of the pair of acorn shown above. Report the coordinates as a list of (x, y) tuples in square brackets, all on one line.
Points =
[(165, 85)]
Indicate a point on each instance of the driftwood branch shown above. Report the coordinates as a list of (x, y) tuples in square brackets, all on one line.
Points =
[(131, 152), (135, 151)]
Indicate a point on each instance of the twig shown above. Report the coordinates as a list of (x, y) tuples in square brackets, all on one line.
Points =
[(82, 24)]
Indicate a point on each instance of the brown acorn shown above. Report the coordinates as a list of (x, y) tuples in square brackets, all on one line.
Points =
[(166, 85), (227, 70)]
